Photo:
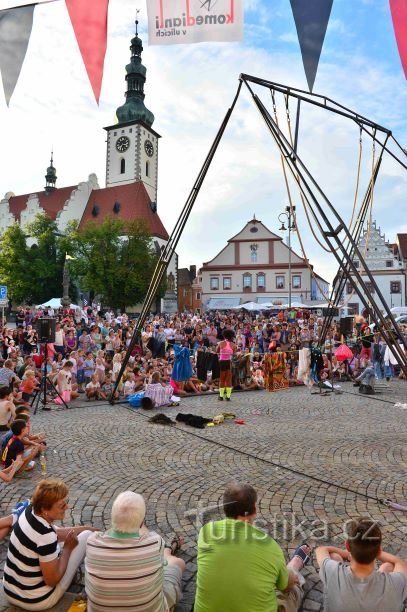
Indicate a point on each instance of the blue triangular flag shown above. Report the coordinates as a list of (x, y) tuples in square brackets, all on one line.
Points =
[(15, 31), (311, 20)]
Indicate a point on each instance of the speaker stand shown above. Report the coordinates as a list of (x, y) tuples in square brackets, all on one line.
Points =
[(45, 384)]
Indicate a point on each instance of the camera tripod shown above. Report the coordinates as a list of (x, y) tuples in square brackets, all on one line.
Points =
[(40, 396)]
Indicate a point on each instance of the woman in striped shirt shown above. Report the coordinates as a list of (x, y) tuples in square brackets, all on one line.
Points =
[(37, 573)]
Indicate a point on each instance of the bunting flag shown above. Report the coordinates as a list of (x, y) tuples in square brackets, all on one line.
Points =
[(311, 20), (399, 15), (89, 21), (15, 30), (5, 4), (188, 21)]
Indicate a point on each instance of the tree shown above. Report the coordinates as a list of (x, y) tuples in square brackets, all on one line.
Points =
[(115, 260), (15, 265)]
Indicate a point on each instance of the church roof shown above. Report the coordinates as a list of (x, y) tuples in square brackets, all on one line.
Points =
[(52, 202), (127, 202)]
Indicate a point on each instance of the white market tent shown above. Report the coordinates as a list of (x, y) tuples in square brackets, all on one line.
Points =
[(250, 306), (56, 303)]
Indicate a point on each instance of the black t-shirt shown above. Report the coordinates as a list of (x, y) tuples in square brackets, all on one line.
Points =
[(15, 448)]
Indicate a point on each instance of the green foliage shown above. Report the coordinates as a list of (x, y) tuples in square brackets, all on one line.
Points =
[(115, 260)]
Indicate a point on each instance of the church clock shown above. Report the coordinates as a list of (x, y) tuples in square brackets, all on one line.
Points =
[(122, 144), (149, 148)]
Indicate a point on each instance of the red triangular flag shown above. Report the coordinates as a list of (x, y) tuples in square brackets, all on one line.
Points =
[(399, 15), (89, 21)]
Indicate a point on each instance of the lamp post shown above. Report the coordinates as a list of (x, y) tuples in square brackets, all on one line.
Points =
[(288, 217)]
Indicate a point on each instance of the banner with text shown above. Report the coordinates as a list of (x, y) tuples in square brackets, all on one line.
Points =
[(194, 21)]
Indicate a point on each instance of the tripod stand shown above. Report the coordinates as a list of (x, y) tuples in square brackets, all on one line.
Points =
[(45, 385)]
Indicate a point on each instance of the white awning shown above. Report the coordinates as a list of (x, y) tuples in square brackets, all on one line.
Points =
[(222, 303)]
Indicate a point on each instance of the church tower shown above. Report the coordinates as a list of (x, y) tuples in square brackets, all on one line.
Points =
[(132, 144), (51, 176)]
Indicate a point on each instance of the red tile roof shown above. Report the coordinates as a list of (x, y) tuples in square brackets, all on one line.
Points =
[(52, 202), (134, 204), (402, 241)]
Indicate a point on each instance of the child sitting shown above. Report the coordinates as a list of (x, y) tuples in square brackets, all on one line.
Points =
[(92, 389), (29, 385), (129, 386), (107, 388)]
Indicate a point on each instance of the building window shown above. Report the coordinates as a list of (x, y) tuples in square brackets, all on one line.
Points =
[(198, 295), (356, 263), (353, 308), (369, 287), (147, 169), (261, 280), (253, 253), (247, 280), (349, 288), (227, 282), (280, 282), (122, 166), (214, 283), (296, 281), (389, 264), (395, 286)]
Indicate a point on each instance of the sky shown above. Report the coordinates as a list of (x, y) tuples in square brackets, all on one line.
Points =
[(189, 88)]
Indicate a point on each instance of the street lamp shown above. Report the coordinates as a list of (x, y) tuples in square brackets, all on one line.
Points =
[(288, 217)]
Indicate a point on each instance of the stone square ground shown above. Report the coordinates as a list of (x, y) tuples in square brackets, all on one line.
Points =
[(316, 461)]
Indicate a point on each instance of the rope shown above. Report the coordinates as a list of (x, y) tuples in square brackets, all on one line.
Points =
[(269, 462), (292, 211)]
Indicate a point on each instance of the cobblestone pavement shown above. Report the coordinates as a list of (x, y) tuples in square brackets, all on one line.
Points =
[(316, 461)]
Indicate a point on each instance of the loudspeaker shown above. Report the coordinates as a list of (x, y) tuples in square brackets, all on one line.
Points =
[(326, 312), (346, 326), (46, 330)]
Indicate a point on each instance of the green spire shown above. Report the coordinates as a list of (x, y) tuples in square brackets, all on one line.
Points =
[(134, 109), (51, 176)]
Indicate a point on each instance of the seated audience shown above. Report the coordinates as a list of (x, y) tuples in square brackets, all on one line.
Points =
[(241, 568), (37, 573), (352, 582), (129, 567)]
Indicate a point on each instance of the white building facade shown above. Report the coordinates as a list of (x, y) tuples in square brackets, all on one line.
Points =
[(388, 267), (255, 266)]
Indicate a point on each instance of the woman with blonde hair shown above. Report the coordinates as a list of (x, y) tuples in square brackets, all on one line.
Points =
[(37, 572)]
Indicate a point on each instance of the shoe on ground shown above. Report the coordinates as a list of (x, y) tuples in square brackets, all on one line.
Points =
[(220, 398), (228, 399)]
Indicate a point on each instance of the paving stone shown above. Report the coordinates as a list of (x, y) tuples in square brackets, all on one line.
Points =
[(313, 459)]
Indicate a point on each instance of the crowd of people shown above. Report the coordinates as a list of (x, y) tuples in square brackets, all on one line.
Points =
[(87, 352), (129, 566), (240, 568)]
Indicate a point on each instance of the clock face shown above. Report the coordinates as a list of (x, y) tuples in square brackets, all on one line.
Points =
[(149, 148), (122, 144)]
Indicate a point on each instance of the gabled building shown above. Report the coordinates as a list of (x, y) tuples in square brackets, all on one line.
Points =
[(388, 264), (257, 266), (131, 174)]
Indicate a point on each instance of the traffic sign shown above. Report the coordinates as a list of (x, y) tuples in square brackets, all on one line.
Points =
[(3, 303), (3, 292)]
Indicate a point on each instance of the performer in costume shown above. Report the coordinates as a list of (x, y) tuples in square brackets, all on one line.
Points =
[(226, 348)]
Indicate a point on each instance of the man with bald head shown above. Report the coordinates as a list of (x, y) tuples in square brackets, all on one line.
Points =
[(128, 566)]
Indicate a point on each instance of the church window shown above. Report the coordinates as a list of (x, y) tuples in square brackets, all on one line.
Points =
[(356, 264), (147, 169), (130, 130), (122, 166), (349, 288), (395, 287), (114, 133), (389, 264), (122, 131)]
